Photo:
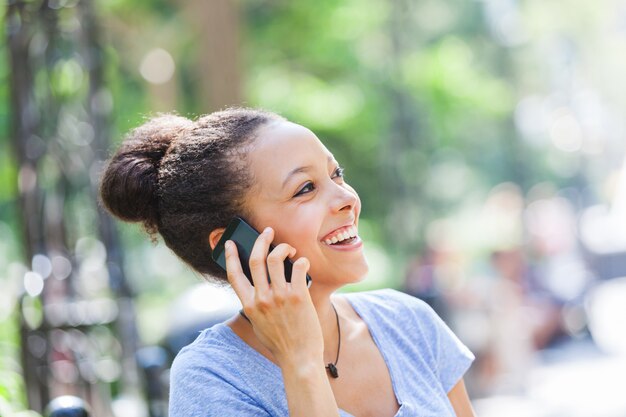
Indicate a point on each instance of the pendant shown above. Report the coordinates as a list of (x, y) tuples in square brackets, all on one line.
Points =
[(333, 370)]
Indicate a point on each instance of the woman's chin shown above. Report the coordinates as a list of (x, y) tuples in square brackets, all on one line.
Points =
[(339, 279)]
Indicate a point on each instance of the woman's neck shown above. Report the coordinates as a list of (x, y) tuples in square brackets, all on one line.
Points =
[(328, 322)]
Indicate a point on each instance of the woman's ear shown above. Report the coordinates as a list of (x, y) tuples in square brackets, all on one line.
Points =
[(215, 236)]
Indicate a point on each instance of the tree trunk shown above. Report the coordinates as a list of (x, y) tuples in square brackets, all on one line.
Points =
[(216, 24)]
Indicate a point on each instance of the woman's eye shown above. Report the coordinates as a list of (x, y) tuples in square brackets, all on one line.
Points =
[(339, 172), (306, 189)]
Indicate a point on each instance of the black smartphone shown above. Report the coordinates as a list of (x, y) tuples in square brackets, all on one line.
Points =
[(244, 237)]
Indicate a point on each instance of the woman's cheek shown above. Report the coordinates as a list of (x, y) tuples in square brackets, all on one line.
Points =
[(295, 232)]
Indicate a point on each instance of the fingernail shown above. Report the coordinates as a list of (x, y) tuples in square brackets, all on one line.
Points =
[(228, 244), (267, 230)]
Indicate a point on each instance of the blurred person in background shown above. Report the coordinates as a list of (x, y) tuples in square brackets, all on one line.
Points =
[(521, 321), (422, 281), (387, 354)]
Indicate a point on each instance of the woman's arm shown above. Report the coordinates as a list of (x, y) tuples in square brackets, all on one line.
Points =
[(284, 319), (308, 390), (460, 400)]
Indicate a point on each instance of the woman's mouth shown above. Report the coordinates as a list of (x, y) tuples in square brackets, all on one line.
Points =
[(341, 236), (345, 239), (344, 242)]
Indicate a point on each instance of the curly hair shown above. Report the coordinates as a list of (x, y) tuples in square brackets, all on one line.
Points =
[(182, 179)]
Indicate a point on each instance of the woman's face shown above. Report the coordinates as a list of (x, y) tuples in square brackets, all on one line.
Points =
[(299, 191)]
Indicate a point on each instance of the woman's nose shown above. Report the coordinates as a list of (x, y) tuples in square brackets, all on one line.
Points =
[(343, 198)]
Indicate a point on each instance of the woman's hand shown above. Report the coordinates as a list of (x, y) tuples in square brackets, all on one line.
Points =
[(282, 313), (285, 321)]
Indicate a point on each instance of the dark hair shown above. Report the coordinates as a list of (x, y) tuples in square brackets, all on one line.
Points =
[(184, 178)]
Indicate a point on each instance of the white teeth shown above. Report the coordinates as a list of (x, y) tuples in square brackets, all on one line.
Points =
[(349, 233)]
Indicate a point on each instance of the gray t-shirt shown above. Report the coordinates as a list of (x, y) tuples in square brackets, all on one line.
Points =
[(220, 375)]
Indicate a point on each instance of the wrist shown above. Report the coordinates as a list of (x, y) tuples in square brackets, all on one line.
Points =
[(300, 357), (308, 389), (302, 368)]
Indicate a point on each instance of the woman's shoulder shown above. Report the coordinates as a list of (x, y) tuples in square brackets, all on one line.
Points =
[(396, 313), (411, 328), (388, 300), (211, 348), (218, 354), (216, 358), (214, 376)]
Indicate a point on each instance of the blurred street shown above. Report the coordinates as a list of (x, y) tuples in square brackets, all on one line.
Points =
[(573, 379)]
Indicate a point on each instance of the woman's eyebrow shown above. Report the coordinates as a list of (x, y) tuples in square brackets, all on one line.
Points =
[(301, 169)]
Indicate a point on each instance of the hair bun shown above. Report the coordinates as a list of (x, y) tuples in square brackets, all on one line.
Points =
[(129, 185)]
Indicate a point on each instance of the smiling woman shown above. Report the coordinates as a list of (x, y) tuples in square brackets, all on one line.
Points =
[(388, 354)]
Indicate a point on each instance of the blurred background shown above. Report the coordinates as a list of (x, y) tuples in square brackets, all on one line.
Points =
[(486, 140)]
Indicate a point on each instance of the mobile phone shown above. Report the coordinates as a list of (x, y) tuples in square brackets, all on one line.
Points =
[(244, 236)]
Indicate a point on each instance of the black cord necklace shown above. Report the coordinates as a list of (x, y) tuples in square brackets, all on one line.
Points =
[(331, 367)]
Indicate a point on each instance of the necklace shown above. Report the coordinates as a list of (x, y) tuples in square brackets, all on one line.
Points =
[(331, 367)]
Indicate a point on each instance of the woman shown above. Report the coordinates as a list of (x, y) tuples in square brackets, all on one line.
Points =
[(293, 350)]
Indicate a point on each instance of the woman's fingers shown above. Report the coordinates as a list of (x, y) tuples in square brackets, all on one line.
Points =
[(298, 275), (236, 277), (276, 266), (263, 262), (258, 260)]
